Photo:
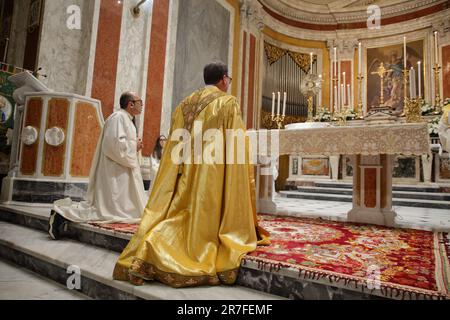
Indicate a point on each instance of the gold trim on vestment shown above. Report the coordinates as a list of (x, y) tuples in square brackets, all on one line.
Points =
[(141, 271)]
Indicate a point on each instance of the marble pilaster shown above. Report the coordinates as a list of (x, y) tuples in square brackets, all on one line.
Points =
[(63, 52), (16, 47), (200, 39)]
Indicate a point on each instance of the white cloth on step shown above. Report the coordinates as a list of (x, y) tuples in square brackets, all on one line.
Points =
[(116, 192)]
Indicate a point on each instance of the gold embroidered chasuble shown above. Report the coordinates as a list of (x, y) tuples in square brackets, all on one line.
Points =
[(200, 220)]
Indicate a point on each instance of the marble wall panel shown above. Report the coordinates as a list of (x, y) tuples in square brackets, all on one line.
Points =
[(346, 66), (370, 187), (85, 138), (107, 54), (54, 156), (156, 72), (17, 41), (203, 36), (244, 69), (251, 81), (132, 52), (64, 52), (33, 117)]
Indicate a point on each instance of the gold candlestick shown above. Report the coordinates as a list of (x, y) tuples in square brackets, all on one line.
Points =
[(437, 89), (310, 109), (341, 116), (360, 103), (335, 100), (405, 89), (279, 120)]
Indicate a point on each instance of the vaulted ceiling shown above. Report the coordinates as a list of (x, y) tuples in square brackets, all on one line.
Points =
[(347, 14)]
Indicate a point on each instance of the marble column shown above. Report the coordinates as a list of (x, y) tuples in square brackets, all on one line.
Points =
[(427, 164), (334, 163), (265, 190), (252, 17), (17, 43)]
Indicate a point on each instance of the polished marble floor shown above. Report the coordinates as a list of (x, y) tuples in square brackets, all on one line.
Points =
[(407, 217)]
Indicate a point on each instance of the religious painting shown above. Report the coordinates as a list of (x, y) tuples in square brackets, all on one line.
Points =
[(315, 167), (348, 167), (404, 167), (391, 92), (444, 168), (7, 104), (446, 71), (34, 15)]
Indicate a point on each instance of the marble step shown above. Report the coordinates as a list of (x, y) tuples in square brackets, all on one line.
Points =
[(396, 194), (18, 283), (421, 203), (34, 250), (343, 185), (278, 283)]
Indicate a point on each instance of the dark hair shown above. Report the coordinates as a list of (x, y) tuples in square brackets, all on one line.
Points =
[(125, 98), (157, 151), (214, 72)]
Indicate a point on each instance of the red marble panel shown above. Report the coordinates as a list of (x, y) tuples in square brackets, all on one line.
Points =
[(384, 185), (29, 154), (155, 81), (244, 69), (251, 81), (54, 157), (446, 71), (86, 134), (107, 54), (357, 180), (370, 187)]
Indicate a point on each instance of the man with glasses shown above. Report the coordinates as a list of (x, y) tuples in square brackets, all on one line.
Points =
[(115, 192), (200, 220)]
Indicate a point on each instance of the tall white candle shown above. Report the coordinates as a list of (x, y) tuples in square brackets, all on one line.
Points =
[(349, 97), (284, 104), (344, 97), (339, 81), (436, 55), (311, 62), (279, 102), (419, 82), (335, 98), (404, 53), (335, 61), (359, 58), (412, 83), (273, 103)]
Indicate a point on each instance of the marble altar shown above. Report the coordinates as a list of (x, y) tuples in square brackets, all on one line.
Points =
[(371, 150)]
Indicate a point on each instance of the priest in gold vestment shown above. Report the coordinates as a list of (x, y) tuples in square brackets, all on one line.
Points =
[(200, 220)]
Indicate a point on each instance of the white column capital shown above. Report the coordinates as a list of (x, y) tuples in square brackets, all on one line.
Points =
[(252, 15)]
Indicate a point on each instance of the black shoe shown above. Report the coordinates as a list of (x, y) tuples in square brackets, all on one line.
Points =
[(56, 225)]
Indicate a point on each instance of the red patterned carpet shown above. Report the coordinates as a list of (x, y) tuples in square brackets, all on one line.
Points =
[(118, 227), (410, 263)]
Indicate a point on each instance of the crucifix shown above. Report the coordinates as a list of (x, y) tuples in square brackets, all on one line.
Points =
[(381, 72)]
